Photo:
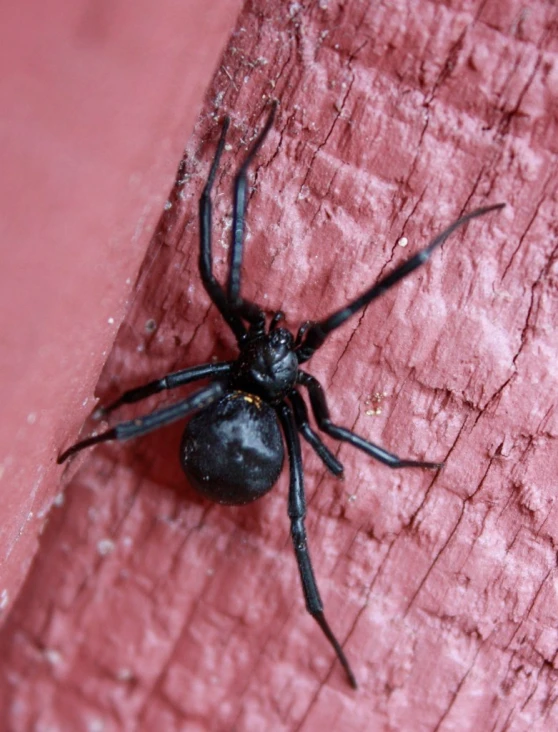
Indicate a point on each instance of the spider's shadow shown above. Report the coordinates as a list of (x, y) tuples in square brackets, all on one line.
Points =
[(156, 459)]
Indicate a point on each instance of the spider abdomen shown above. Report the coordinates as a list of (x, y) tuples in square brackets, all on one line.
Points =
[(232, 451)]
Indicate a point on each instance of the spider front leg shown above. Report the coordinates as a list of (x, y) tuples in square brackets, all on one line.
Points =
[(170, 381), (314, 334), (246, 309), (321, 413), (297, 513), (239, 212), (212, 287), (151, 422)]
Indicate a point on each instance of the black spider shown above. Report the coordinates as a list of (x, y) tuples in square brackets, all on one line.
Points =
[(232, 450)]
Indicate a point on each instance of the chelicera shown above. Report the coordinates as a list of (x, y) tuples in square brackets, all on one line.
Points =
[(232, 449)]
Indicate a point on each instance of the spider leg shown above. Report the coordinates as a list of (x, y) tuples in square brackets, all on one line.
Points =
[(170, 381), (151, 422), (301, 332), (276, 319), (301, 419), (318, 332), (321, 412), (212, 287), (297, 512), (248, 310)]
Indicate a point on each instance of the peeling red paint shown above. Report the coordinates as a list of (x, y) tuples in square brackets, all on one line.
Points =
[(148, 607)]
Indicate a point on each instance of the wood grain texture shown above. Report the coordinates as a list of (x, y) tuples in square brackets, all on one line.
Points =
[(150, 608)]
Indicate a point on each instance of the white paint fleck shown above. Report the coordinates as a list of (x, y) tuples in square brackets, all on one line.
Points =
[(124, 674), (95, 725), (403, 241), (374, 402), (110, 321), (105, 546), (167, 206), (52, 656), (58, 500)]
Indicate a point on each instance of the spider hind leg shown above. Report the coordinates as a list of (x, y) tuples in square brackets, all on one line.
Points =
[(297, 513)]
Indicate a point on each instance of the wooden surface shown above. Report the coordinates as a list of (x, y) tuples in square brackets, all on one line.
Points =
[(97, 104), (149, 608)]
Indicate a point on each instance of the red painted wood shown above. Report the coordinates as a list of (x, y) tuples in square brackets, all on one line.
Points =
[(97, 106), (150, 608)]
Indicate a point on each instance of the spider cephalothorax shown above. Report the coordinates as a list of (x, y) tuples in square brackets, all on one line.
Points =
[(232, 449), (267, 366)]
